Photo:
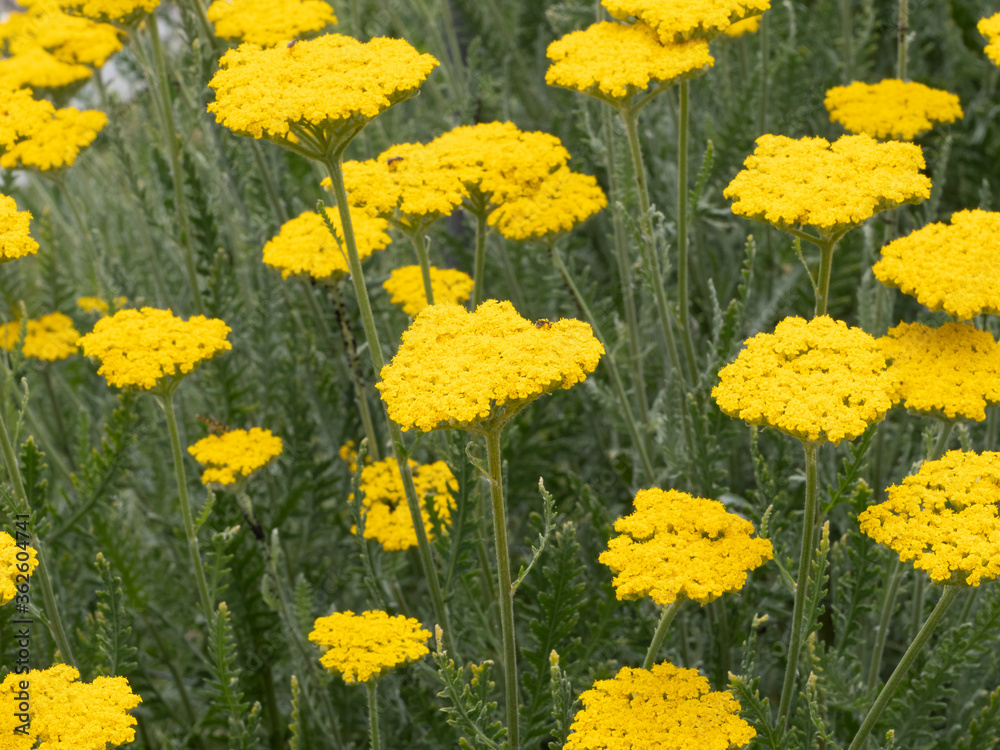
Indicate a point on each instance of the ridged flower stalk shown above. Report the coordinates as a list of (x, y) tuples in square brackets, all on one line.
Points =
[(419, 241), (682, 229), (372, 690), (479, 267), (335, 169), (902, 30), (669, 613)]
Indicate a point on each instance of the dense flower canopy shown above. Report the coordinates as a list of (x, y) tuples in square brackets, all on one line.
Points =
[(406, 287), (891, 108), (990, 28), (320, 88), (66, 713), (15, 240), (304, 244), (269, 22), (363, 647), (38, 68), (11, 566), (946, 518), (387, 517), (235, 454), (70, 39), (456, 368), (666, 707), (676, 20), (559, 202), (614, 61), (810, 182), (144, 348), (50, 338), (105, 10), (675, 545), (952, 371), (816, 381), (955, 268), (34, 134)]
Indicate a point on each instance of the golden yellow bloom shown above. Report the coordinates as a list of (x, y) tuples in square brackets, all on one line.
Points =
[(321, 91), (15, 241), (21, 116), (66, 713), (953, 268), (37, 68), (677, 20), (269, 22), (14, 561), (56, 142), (235, 454), (990, 28), (305, 245), (832, 187), (675, 545), (456, 368), (815, 381), (110, 10), (406, 287), (100, 306), (148, 348), (944, 518), (10, 334), (952, 371), (666, 707), (613, 61), (386, 513), (559, 202), (70, 39), (50, 338), (746, 26), (363, 647), (891, 108), (349, 455)]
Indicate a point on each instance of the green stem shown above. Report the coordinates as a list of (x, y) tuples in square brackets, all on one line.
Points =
[(609, 362), (88, 241), (505, 590), (669, 613), (682, 230), (941, 445), (848, 32), (167, 402), (918, 643), (902, 29), (419, 242), (480, 260), (334, 167), (888, 606), (801, 586), (517, 296), (825, 272), (180, 204), (762, 114), (270, 186), (376, 742)]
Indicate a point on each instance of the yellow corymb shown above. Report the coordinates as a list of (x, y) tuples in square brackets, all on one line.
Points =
[(891, 109), (15, 240), (676, 20), (406, 287), (14, 561), (990, 28), (269, 22), (235, 454), (363, 647), (557, 204)]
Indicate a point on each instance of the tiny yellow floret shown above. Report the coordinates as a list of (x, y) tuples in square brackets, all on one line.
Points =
[(945, 518), (235, 454), (15, 560), (666, 707), (816, 381), (675, 545), (269, 22), (456, 368), (677, 20), (406, 287), (363, 647), (896, 109)]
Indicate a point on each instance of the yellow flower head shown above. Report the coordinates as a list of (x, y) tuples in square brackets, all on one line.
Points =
[(406, 285), (613, 61), (50, 138), (322, 90), (498, 160), (666, 707), (952, 371), (407, 183), (456, 368), (70, 39), (38, 68), (50, 338), (269, 22), (109, 10), (235, 454), (386, 513), (990, 28), (67, 713), (944, 518), (746, 26), (817, 381), (100, 306), (833, 187), (304, 244), (363, 647), (675, 545), (14, 561), (891, 108), (15, 241), (21, 116), (677, 20), (349, 455), (560, 202), (953, 268), (148, 348)]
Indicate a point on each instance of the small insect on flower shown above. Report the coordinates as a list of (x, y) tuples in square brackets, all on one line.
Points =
[(293, 43), (543, 323), (215, 427), (393, 163)]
